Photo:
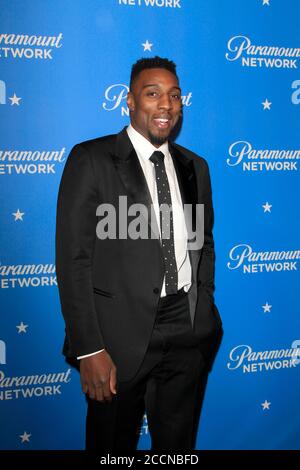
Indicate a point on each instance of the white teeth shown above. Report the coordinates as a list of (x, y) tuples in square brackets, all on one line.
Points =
[(163, 120)]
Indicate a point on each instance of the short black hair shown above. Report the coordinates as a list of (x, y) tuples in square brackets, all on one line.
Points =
[(151, 63)]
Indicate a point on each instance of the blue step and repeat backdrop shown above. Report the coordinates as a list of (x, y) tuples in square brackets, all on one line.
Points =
[(64, 71)]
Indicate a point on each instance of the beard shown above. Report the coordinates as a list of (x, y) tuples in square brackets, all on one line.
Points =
[(157, 140)]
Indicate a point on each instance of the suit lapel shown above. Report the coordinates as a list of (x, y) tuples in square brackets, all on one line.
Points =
[(186, 178), (131, 173)]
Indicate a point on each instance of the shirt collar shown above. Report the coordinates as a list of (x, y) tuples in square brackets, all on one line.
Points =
[(142, 146)]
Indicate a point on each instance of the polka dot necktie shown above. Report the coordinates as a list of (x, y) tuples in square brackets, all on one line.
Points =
[(166, 222)]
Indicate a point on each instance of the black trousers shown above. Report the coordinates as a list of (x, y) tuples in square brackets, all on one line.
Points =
[(169, 386)]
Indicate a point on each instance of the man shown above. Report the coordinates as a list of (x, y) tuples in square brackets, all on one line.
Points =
[(139, 311)]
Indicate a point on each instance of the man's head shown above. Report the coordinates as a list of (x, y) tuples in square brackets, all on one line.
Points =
[(154, 98)]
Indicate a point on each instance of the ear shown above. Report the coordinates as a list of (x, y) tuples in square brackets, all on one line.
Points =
[(130, 101)]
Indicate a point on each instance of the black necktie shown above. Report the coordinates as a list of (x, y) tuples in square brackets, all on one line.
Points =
[(166, 217)]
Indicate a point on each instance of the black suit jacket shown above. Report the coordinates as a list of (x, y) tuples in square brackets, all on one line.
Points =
[(109, 289)]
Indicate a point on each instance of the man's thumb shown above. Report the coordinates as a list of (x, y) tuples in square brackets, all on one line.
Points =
[(113, 382)]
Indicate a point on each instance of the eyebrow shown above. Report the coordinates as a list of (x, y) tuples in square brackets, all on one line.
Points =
[(156, 85)]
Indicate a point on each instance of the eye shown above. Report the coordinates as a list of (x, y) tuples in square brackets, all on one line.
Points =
[(152, 93), (176, 96)]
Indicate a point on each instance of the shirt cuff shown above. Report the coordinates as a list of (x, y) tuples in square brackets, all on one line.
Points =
[(88, 355)]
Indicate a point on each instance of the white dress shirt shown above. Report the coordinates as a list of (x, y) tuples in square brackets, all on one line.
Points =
[(144, 150)]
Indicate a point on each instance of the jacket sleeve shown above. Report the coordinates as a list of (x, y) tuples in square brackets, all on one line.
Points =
[(206, 273), (75, 240), (208, 322)]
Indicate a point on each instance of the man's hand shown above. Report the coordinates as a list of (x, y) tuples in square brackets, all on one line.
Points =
[(98, 375)]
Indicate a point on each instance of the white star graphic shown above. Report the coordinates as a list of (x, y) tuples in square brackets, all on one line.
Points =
[(15, 100), (18, 215), (25, 437), (267, 307), (266, 2), (147, 46), (266, 104), (22, 328), (266, 405), (267, 207)]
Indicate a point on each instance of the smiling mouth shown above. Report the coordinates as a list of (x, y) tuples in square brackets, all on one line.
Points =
[(162, 123)]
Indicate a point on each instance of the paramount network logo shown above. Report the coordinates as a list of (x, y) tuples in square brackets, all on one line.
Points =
[(243, 357), (2, 352), (243, 257), (241, 153), (116, 94), (20, 162), (241, 49), (23, 46), (27, 275), (32, 386), (151, 3)]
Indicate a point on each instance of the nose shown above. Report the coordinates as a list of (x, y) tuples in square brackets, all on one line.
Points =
[(165, 102)]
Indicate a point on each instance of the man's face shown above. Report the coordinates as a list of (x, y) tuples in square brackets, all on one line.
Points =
[(155, 104)]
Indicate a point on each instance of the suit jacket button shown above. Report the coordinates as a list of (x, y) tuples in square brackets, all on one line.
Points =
[(156, 290)]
